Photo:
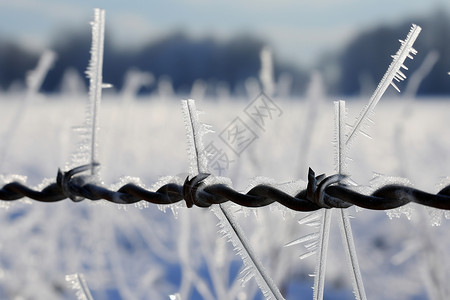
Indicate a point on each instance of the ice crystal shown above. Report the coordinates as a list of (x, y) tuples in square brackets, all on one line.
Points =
[(393, 73), (78, 283), (229, 227)]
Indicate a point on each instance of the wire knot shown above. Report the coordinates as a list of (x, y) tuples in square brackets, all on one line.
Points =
[(316, 188), (190, 188), (72, 185)]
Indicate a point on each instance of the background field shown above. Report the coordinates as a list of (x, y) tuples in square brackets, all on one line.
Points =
[(143, 253)]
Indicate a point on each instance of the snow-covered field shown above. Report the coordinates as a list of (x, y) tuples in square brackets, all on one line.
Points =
[(143, 253)]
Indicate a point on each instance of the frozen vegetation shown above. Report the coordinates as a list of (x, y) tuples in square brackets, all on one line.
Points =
[(146, 251), (137, 251)]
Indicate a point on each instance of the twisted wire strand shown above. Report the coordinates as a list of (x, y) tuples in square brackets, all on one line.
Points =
[(321, 192)]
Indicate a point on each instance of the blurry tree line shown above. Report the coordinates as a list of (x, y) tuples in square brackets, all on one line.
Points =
[(363, 62), (359, 64)]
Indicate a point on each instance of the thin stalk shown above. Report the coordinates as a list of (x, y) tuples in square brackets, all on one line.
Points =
[(78, 283), (343, 217), (393, 72), (84, 288), (34, 81), (321, 259), (248, 255), (350, 250), (94, 73)]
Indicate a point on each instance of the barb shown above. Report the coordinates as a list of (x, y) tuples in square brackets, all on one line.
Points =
[(321, 192)]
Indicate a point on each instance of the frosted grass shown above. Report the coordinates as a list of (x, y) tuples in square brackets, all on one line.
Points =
[(393, 73), (146, 266), (34, 81), (343, 143), (78, 283), (230, 228), (94, 73), (118, 222)]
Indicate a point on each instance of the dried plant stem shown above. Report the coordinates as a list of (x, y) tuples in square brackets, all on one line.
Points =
[(343, 217), (79, 284), (322, 251), (94, 73), (228, 222), (393, 72)]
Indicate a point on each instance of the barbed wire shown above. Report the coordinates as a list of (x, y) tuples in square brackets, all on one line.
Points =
[(321, 192)]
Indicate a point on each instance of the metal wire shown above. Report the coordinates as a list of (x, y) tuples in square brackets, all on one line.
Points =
[(321, 192)]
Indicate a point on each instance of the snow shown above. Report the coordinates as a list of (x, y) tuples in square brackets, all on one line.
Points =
[(137, 253)]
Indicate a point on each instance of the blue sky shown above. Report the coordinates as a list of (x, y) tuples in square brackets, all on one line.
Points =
[(299, 31)]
